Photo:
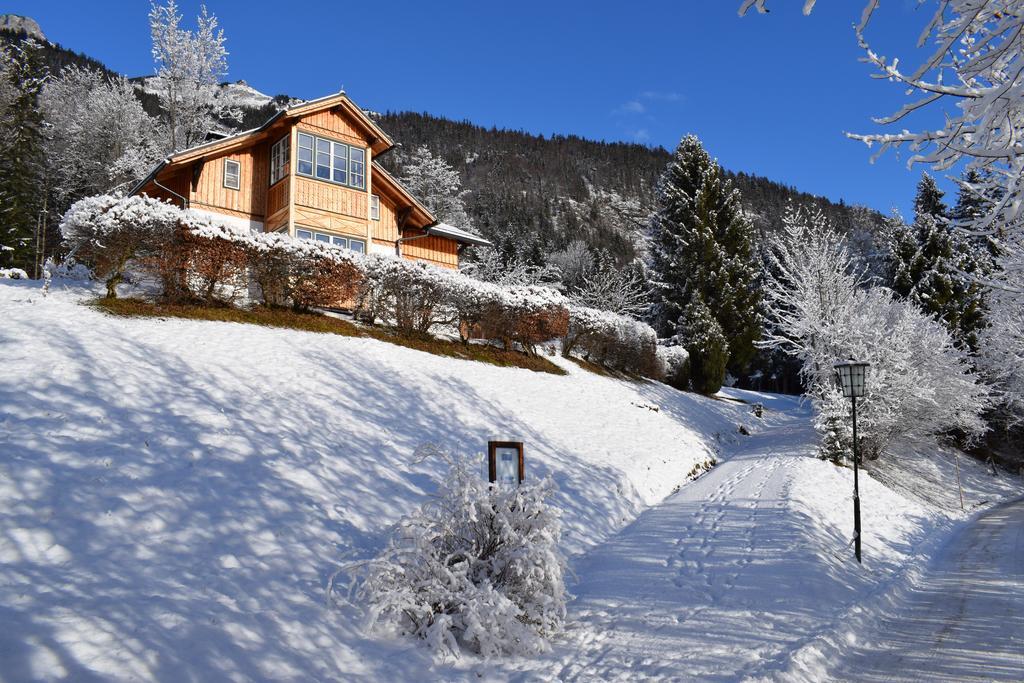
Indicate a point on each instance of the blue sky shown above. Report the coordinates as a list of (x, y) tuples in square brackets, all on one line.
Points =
[(768, 94)]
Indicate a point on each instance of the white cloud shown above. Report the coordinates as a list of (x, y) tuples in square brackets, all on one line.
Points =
[(661, 96), (632, 107)]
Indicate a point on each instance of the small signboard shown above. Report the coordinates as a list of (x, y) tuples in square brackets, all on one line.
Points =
[(505, 462)]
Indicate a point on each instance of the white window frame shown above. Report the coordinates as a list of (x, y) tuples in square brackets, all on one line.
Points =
[(332, 240), (312, 155), (336, 152), (374, 207), (238, 174), (279, 159)]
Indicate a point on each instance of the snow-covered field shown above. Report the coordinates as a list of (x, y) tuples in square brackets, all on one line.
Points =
[(177, 493)]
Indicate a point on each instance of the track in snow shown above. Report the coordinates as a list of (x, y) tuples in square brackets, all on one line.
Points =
[(962, 620), (702, 585)]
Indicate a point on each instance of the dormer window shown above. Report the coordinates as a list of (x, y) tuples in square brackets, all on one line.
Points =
[(232, 174), (332, 161)]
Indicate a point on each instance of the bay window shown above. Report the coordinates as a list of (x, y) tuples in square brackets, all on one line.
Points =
[(279, 159), (332, 161)]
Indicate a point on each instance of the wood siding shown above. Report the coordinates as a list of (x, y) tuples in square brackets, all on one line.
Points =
[(208, 191), (277, 196), (333, 124), (387, 227), (331, 222), (317, 194), (440, 251), (178, 183)]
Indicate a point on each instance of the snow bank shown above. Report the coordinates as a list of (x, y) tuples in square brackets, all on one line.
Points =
[(177, 492)]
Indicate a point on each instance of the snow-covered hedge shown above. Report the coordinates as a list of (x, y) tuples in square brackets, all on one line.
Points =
[(13, 274), (614, 340), (196, 257), (478, 566), (289, 272)]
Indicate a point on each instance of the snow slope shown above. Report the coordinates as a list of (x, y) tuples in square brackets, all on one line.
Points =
[(735, 574), (177, 494)]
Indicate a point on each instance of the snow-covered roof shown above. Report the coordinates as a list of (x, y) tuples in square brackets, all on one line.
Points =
[(458, 234)]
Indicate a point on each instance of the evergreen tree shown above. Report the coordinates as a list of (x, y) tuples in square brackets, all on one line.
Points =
[(702, 255), (933, 266), (704, 340), (21, 140)]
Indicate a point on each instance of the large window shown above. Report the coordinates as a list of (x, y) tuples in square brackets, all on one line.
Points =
[(334, 240), (333, 161), (279, 159), (232, 174)]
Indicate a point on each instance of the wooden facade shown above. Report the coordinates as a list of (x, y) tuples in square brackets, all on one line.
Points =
[(196, 178)]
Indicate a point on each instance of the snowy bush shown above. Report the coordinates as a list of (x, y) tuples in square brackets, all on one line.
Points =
[(107, 232), (674, 366), (68, 269), (614, 340), (13, 274), (408, 295), (477, 566), (527, 315)]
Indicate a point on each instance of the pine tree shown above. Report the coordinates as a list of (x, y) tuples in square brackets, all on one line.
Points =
[(21, 141), (933, 266), (702, 254), (705, 341)]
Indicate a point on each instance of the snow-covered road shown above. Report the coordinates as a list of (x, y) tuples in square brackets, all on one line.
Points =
[(962, 619)]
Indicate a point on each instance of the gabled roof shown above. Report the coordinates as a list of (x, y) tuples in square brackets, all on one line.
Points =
[(390, 185), (380, 141)]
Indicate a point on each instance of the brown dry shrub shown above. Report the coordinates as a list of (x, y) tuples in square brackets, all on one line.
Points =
[(525, 326), (318, 280)]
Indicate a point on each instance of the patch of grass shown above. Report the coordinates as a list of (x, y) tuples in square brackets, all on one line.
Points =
[(315, 322), (603, 371)]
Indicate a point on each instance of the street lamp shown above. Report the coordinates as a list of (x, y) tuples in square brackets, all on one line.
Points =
[(852, 377)]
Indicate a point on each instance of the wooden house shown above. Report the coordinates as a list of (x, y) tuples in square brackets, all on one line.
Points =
[(311, 171)]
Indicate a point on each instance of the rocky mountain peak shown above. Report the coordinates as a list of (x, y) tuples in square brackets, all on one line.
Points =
[(16, 22)]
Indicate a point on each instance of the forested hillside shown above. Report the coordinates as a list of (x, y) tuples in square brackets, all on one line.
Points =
[(561, 188)]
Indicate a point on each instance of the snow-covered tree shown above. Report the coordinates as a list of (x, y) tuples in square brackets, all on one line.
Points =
[(1001, 355), (702, 249), (509, 270), (190, 66), (98, 136), (705, 342), (477, 566), (574, 264), (21, 163), (820, 311), (606, 287), (435, 183), (971, 82), (934, 266)]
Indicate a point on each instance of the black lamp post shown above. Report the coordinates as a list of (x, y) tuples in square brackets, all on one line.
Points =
[(852, 379)]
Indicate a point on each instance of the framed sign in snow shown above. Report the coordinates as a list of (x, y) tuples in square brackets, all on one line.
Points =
[(505, 462)]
